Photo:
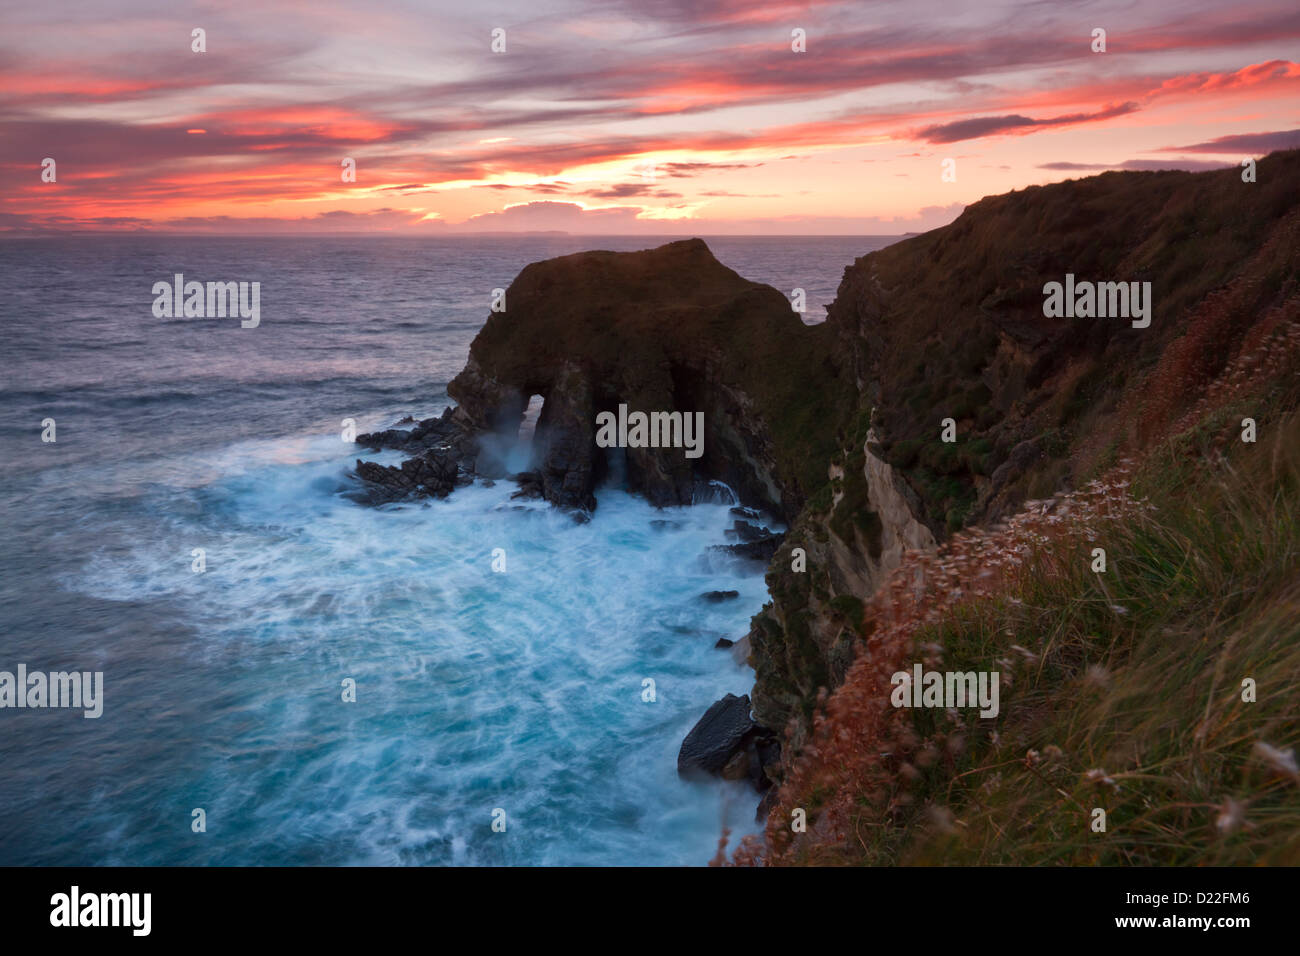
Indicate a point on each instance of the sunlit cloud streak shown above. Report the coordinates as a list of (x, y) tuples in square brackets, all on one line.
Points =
[(632, 114)]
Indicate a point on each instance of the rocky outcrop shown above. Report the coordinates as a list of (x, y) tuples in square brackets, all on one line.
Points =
[(951, 324), (836, 429), (836, 555), (716, 737), (565, 448), (726, 742), (667, 330), (760, 549), (442, 454), (432, 473), (896, 505)]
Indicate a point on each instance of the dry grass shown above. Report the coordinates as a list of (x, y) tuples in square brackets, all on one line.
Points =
[(1121, 690)]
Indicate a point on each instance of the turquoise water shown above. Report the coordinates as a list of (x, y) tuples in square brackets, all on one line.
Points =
[(476, 690)]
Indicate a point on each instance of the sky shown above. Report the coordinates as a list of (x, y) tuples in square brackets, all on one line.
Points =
[(656, 117)]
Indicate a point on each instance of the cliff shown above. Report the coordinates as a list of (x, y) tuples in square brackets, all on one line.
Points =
[(660, 330), (950, 325), (837, 429)]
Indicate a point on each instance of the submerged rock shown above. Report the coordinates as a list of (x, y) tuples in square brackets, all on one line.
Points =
[(530, 485), (717, 597)]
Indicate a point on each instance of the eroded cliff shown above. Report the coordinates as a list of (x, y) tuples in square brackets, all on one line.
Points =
[(666, 329), (950, 325), (837, 429)]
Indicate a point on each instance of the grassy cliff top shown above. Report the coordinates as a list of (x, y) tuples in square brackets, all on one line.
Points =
[(950, 324)]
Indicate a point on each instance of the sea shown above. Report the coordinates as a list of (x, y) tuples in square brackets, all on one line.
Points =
[(175, 516)]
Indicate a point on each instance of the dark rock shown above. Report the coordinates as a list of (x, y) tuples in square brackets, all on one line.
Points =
[(747, 532), (391, 438), (371, 494), (738, 767), (530, 485), (716, 738), (724, 643), (431, 474), (749, 513), (726, 742), (668, 330), (765, 758), (717, 597), (761, 549), (488, 405), (565, 442), (442, 431)]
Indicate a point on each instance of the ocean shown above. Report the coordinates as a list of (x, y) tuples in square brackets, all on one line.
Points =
[(187, 534)]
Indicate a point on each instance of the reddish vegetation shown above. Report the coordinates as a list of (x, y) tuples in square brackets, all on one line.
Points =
[(862, 746), (1231, 343), (1224, 354), (864, 751)]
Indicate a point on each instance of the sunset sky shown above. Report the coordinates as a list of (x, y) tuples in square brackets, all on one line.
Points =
[(632, 116)]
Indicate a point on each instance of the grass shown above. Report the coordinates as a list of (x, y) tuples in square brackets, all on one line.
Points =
[(1122, 690), (1138, 674)]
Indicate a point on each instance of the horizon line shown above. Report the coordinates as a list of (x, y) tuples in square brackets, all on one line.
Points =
[(459, 235)]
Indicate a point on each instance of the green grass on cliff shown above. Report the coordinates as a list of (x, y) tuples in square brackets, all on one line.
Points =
[(1128, 695), (960, 331)]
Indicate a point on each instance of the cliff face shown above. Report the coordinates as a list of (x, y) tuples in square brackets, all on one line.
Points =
[(1122, 666), (950, 325), (672, 329), (667, 329), (837, 428)]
